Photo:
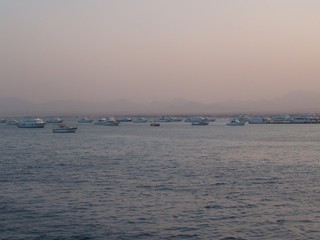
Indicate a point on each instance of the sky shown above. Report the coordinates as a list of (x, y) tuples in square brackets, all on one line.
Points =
[(141, 50)]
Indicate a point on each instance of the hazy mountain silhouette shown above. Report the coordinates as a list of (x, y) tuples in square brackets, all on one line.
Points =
[(296, 102), (16, 106)]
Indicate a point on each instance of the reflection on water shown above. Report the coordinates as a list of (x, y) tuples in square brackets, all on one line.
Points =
[(173, 182)]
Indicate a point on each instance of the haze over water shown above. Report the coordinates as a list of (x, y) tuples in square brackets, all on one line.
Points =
[(143, 51)]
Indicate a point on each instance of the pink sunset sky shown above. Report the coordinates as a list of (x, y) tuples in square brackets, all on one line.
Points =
[(142, 50)]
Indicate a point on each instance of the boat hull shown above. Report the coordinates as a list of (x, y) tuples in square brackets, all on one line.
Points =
[(54, 121), (235, 124), (30, 126), (140, 120), (85, 120), (67, 130), (111, 123), (199, 123)]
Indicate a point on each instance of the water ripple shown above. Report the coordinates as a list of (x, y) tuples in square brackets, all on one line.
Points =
[(182, 183)]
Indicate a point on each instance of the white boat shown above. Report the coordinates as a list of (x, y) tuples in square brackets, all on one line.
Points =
[(236, 122), (64, 129), (111, 122), (176, 119), (85, 120), (3, 120), (124, 119), (199, 121), (100, 121), (257, 120), (12, 122), (30, 122), (139, 120), (280, 119), (54, 120), (305, 118), (163, 119)]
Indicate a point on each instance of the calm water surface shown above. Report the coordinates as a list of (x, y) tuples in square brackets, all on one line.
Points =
[(176, 181)]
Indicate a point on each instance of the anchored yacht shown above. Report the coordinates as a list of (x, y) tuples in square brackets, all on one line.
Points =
[(30, 122)]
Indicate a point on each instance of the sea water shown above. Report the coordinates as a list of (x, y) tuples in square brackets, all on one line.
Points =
[(175, 181)]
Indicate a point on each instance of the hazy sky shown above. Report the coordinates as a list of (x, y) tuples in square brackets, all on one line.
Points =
[(145, 50)]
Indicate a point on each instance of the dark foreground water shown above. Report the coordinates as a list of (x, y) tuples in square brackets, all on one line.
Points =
[(176, 181)]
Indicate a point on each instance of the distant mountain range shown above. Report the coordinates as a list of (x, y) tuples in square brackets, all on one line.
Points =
[(297, 102)]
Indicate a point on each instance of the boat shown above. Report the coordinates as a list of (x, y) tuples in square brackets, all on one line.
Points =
[(236, 122), (258, 120), (187, 119), (199, 121), (100, 121), (30, 122), (111, 122), (163, 119), (139, 120), (210, 119), (61, 128), (176, 119), (12, 122), (124, 119), (54, 120), (168, 119), (281, 119), (3, 120), (155, 124), (85, 120), (305, 118)]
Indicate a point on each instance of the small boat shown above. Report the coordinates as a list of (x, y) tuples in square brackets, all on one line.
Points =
[(100, 121), (12, 122), (64, 129), (30, 122), (210, 119), (3, 120), (258, 120), (236, 122), (305, 118), (199, 121), (155, 124), (124, 119), (280, 119), (176, 119), (54, 120), (85, 120), (163, 119), (139, 120), (111, 122)]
